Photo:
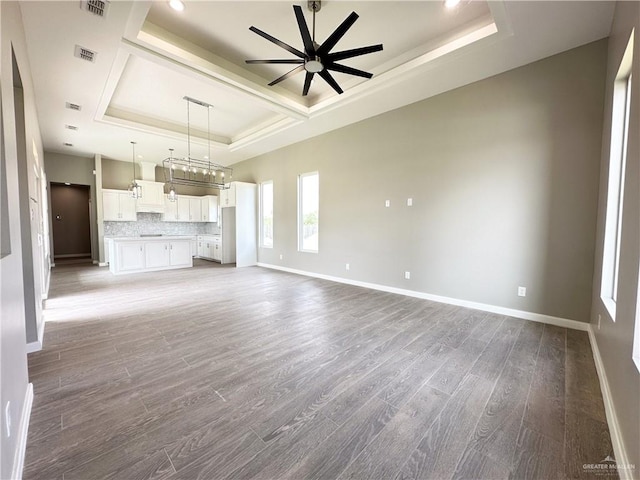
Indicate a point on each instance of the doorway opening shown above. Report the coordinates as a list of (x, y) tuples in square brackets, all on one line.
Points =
[(71, 223)]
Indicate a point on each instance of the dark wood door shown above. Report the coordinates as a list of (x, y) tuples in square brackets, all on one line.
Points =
[(70, 206)]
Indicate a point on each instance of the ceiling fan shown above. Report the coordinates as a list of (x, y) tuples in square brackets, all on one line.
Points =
[(318, 58)]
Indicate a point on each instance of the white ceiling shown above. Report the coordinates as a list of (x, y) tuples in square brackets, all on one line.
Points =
[(149, 57)]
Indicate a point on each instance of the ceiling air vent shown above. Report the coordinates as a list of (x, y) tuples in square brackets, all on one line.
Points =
[(71, 127), (67, 144), (97, 7), (85, 54), (73, 106)]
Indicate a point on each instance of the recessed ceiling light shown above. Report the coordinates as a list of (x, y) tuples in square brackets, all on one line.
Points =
[(177, 5), (451, 3), (67, 183)]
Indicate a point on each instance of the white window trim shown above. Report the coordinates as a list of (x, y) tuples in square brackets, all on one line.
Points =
[(261, 211), (617, 173), (300, 219)]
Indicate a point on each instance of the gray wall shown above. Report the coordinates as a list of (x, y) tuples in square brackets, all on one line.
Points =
[(62, 168), (615, 340), (116, 174), (14, 386), (503, 175)]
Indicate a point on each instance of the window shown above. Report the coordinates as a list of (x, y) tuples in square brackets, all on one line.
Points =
[(615, 193), (308, 215), (266, 214)]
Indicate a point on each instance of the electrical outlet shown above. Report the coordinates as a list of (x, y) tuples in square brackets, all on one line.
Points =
[(346, 266), (387, 203), (522, 291), (7, 419), (407, 275), (409, 202), (281, 256)]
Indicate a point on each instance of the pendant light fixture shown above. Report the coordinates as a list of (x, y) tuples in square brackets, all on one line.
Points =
[(193, 171), (172, 196), (135, 189)]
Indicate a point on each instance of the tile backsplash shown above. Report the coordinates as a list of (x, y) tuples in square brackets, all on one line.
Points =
[(151, 223)]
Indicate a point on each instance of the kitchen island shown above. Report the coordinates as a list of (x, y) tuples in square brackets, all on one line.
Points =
[(149, 253)]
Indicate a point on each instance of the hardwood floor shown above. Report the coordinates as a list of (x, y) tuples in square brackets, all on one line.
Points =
[(215, 372)]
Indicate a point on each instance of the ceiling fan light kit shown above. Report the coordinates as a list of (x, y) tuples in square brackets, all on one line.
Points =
[(317, 58)]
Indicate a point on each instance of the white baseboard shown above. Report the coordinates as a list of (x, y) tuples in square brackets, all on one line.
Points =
[(103, 264), (536, 317), (617, 442), (37, 345), (34, 346), (23, 430)]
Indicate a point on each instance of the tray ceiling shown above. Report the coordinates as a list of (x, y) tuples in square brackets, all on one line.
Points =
[(148, 57)]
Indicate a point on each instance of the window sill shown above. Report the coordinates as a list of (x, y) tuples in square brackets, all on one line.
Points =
[(610, 306)]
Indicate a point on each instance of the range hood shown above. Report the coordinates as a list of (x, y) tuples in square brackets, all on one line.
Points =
[(152, 200)]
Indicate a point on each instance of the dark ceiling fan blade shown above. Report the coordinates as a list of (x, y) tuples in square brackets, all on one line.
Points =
[(304, 31), (336, 67), (307, 83), (283, 61), (290, 73), (330, 80), (337, 34), (354, 52), (288, 48)]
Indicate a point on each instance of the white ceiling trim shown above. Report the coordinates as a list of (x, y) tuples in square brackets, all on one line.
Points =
[(150, 44)]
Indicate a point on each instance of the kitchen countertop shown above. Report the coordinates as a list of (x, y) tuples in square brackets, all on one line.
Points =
[(153, 238)]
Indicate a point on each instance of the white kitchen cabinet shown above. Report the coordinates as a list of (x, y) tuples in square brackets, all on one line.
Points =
[(152, 199), (170, 211), (134, 254), (216, 252), (129, 256), (180, 253), (209, 208), (239, 226), (183, 208), (228, 196), (209, 247), (191, 209), (195, 209), (118, 206), (156, 254)]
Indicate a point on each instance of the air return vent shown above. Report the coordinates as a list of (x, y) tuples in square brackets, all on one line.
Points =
[(71, 127), (67, 144), (85, 54), (97, 7), (73, 106)]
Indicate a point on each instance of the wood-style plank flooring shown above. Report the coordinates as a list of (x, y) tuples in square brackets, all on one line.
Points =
[(221, 373)]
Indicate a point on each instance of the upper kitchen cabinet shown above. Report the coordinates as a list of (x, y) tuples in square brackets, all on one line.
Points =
[(228, 196), (170, 210), (191, 209), (152, 199), (118, 206), (209, 208), (195, 209)]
